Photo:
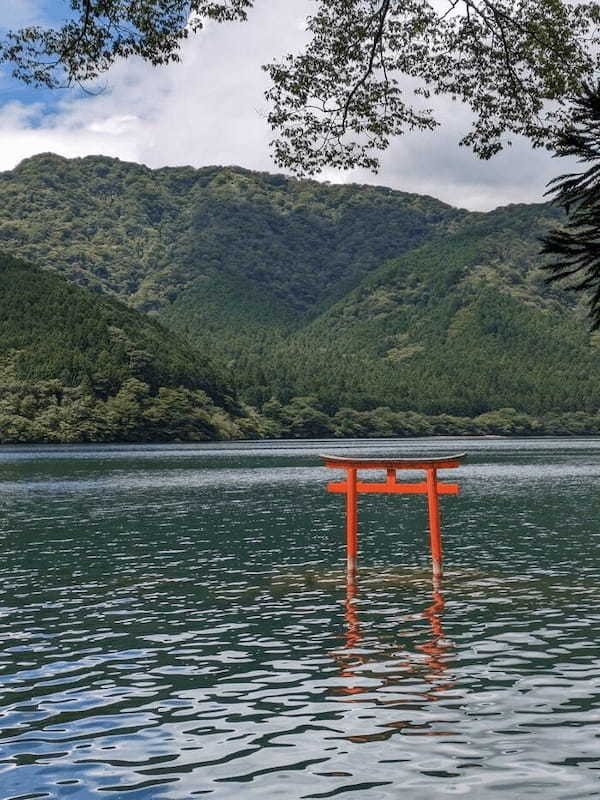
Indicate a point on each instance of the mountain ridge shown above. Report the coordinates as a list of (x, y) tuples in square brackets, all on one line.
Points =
[(194, 198)]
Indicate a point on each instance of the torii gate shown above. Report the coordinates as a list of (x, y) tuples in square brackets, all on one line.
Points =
[(352, 487)]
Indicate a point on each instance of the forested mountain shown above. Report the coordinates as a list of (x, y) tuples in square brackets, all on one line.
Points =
[(78, 366), (463, 324), (147, 235), (330, 309)]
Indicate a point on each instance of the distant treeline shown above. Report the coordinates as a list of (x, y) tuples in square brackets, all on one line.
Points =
[(51, 412), (302, 418)]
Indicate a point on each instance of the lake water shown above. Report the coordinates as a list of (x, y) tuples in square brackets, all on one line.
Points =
[(175, 623)]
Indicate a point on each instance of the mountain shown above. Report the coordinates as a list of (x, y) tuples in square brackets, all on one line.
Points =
[(76, 365), (464, 324), (222, 254), (148, 235), (321, 302)]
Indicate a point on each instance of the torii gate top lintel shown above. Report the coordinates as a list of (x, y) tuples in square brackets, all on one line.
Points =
[(439, 462)]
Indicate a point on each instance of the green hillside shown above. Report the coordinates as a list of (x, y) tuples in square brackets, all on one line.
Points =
[(464, 324), (148, 235), (233, 259), (330, 310), (77, 366)]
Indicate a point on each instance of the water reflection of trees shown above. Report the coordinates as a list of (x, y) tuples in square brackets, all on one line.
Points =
[(427, 663)]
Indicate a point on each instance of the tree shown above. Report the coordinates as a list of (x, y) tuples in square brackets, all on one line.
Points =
[(367, 71), (575, 247)]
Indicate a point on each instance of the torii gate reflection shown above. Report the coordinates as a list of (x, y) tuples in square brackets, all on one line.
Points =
[(432, 668)]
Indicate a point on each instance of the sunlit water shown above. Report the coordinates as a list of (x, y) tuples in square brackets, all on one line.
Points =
[(175, 623)]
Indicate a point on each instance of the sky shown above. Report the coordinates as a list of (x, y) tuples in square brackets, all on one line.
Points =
[(210, 109)]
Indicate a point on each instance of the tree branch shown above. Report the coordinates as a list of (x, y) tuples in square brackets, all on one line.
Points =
[(67, 51), (382, 14)]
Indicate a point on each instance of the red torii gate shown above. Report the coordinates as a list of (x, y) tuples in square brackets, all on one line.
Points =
[(352, 487)]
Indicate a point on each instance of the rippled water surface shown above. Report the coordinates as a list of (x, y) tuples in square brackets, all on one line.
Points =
[(175, 623)]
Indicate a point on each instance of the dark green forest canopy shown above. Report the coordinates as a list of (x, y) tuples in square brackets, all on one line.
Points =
[(437, 331), (54, 329), (77, 366), (317, 302)]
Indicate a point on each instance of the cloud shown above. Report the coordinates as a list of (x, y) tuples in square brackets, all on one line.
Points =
[(433, 163), (209, 109)]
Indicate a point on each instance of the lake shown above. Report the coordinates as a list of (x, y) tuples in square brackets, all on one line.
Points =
[(175, 623)]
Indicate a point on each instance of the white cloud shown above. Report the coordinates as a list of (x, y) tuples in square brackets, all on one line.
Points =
[(209, 109)]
